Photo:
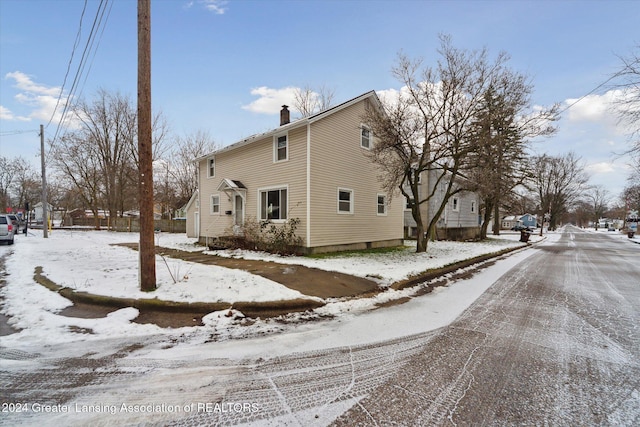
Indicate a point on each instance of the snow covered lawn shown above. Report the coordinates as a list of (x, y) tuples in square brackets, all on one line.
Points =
[(88, 261), (393, 266)]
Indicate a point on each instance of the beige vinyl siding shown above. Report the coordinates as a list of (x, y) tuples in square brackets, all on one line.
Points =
[(339, 161), (253, 165)]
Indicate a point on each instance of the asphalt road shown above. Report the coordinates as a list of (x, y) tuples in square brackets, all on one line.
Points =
[(555, 341)]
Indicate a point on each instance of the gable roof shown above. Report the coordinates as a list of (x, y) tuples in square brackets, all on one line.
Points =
[(295, 124)]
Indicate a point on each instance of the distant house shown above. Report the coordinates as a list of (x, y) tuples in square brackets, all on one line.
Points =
[(38, 212), (460, 219), (315, 169), (526, 220)]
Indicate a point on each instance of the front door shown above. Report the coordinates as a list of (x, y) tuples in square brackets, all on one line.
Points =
[(239, 208)]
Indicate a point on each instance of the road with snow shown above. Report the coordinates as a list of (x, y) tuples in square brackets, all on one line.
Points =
[(555, 341)]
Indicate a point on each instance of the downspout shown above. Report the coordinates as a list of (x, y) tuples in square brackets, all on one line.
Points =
[(308, 185)]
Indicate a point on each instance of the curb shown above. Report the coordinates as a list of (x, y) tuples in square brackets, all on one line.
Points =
[(253, 309), (249, 309)]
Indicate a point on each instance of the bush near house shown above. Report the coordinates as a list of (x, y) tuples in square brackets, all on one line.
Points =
[(265, 236)]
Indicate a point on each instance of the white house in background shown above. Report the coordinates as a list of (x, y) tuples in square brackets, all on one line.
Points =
[(38, 212), (460, 219), (315, 169)]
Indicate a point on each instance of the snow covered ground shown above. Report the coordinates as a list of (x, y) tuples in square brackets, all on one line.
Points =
[(88, 261)]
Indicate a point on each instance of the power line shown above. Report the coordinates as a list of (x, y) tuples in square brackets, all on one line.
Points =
[(589, 93), (97, 22), (73, 51)]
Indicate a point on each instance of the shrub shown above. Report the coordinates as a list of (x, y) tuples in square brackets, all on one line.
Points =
[(267, 236)]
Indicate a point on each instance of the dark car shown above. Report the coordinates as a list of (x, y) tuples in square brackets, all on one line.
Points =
[(17, 222)]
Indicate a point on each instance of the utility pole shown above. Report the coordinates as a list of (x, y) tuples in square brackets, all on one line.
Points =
[(145, 168), (45, 214)]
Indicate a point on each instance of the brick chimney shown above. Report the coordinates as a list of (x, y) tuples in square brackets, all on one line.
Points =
[(284, 115)]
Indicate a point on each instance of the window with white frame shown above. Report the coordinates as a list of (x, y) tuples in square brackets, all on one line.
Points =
[(215, 204), (211, 167), (382, 204), (345, 201), (280, 148), (408, 203), (455, 204), (273, 204), (365, 137)]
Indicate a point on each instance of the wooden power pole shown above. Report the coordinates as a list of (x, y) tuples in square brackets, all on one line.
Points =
[(45, 202), (145, 168)]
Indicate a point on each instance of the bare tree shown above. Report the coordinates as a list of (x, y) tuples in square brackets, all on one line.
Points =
[(184, 169), (597, 199), (309, 101), (27, 184), (79, 167), (7, 177), (427, 129), (504, 125), (559, 182), (627, 79), (99, 158)]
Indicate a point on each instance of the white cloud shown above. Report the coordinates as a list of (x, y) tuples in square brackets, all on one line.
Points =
[(219, 7), (600, 167), (24, 82), (597, 109), (40, 98), (6, 114), (270, 100)]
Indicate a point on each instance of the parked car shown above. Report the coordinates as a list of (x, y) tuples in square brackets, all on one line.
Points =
[(7, 230), (18, 223)]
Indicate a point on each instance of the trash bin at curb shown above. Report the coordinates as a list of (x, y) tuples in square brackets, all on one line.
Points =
[(524, 235)]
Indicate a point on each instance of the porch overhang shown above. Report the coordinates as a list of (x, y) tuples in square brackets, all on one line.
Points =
[(231, 187)]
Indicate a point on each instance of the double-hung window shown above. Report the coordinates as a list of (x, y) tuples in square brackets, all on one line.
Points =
[(280, 148), (215, 204), (455, 204), (382, 204), (211, 167), (273, 204), (365, 137), (345, 201)]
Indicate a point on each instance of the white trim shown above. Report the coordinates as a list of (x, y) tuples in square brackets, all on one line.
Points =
[(351, 201), (272, 188), (211, 196), (385, 204), (234, 210), (308, 224), (209, 159), (362, 128), (275, 147), (455, 204)]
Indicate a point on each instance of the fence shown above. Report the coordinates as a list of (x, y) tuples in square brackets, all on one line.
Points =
[(129, 224)]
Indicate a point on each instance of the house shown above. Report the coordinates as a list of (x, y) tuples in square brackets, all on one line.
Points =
[(527, 220), (460, 219), (38, 212), (315, 169)]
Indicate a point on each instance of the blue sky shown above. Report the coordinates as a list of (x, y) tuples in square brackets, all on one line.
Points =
[(225, 67)]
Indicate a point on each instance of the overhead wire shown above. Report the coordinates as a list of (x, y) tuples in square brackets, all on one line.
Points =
[(95, 28), (66, 75)]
